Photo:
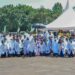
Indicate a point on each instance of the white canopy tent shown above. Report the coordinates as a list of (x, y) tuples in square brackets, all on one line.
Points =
[(66, 21)]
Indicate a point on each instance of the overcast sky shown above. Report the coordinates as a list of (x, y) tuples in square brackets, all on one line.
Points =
[(36, 3)]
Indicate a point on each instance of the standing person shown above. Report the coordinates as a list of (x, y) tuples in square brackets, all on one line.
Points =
[(36, 50), (49, 44), (9, 37), (6, 48), (25, 46), (17, 48), (70, 49), (46, 47), (31, 46), (20, 41), (45, 35), (43, 48), (65, 46), (3, 49), (8, 44), (37, 47), (73, 45), (55, 48), (61, 48), (11, 48)]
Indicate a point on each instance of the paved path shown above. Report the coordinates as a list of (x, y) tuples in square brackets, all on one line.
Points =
[(37, 66)]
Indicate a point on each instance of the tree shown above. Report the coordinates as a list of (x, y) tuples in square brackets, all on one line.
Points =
[(57, 10), (22, 17)]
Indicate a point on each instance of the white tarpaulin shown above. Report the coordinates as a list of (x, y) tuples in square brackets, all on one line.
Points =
[(65, 21)]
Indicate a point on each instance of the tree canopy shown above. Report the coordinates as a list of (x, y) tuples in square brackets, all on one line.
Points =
[(21, 17)]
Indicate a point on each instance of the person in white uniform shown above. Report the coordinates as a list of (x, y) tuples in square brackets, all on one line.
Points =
[(17, 48), (42, 48), (65, 46), (73, 45), (31, 46), (70, 49), (37, 47), (55, 48), (49, 45), (25, 46), (61, 48), (3, 49), (11, 48)]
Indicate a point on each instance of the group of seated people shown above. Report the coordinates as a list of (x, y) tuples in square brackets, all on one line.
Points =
[(29, 46)]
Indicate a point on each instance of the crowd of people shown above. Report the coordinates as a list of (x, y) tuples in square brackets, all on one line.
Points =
[(47, 44)]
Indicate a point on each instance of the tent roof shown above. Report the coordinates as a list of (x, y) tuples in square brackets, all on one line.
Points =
[(64, 21), (38, 25)]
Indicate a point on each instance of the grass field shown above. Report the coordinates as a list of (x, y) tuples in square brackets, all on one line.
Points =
[(37, 66)]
